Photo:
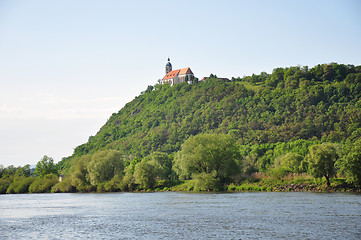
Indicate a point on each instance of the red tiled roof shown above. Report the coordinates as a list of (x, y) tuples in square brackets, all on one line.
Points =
[(171, 74), (185, 71), (174, 73)]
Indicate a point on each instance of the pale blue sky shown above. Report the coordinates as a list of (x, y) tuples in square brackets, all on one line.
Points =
[(66, 66)]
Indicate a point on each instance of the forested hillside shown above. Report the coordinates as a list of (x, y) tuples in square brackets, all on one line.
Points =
[(274, 119), (214, 134), (322, 103)]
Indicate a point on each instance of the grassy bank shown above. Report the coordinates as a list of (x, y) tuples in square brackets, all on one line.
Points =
[(290, 183)]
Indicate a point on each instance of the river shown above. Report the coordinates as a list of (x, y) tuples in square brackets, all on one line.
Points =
[(171, 215)]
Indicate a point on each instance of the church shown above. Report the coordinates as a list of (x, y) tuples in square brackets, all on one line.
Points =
[(177, 76)]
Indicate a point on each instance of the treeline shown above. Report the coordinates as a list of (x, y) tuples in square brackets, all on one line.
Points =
[(27, 180), (294, 120), (206, 162)]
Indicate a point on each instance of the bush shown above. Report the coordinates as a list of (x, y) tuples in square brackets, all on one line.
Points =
[(20, 185), (43, 185), (127, 183), (207, 155), (64, 186), (4, 184), (279, 172), (104, 165), (285, 164), (206, 182), (113, 185), (350, 164), (145, 175), (321, 160)]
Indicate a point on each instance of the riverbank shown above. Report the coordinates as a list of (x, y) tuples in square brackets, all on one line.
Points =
[(290, 183), (257, 182)]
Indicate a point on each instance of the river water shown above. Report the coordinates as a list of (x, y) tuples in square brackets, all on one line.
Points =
[(169, 215)]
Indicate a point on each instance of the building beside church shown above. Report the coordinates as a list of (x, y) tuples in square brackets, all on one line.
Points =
[(177, 76)]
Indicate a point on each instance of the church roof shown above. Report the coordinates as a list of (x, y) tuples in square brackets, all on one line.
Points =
[(185, 71), (174, 73), (171, 74)]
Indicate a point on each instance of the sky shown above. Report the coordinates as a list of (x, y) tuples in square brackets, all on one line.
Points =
[(66, 66)]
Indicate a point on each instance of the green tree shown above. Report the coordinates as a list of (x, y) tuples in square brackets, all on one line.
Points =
[(163, 162), (215, 154), (23, 171), (8, 171), (287, 163), (350, 163), (79, 174), (1, 170), (65, 186), (43, 184), (20, 185), (145, 175), (206, 182), (4, 184), (104, 165), (45, 166), (321, 160), (127, 183)]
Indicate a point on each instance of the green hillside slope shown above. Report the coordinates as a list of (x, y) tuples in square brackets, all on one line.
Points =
[(293, 103), (213, 133)]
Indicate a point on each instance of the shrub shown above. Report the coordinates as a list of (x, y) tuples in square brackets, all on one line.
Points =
[(145, 175), (206, 182), (321, 160), (4, 184), (287, 163), (64, 186), (20, 185), (206, 155), (350, 163), (113, 185), (43, 184)]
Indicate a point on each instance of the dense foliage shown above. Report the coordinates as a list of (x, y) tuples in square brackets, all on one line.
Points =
[(321, 161), (214, 156), (278, 123), (350, 164), (322, 103)]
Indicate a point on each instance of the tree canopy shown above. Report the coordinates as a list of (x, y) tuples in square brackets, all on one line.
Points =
[(205, 154), (45, 166), (321, 103), (350, 163), (321, 160)]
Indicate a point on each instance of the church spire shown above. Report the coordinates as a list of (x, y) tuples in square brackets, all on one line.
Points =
[(168, 67)]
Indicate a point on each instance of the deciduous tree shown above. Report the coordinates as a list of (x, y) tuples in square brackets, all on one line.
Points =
[(321, 160), (350, 163), (145, 175), (104, 165), (215, 154), (45, 166)]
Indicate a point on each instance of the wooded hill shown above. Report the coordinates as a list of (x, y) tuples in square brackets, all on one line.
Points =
[(322, 103)]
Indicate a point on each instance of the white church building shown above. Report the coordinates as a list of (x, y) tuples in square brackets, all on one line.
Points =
[(177, 76)]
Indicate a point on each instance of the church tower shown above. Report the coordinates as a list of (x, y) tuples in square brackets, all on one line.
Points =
[(168, 67)]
